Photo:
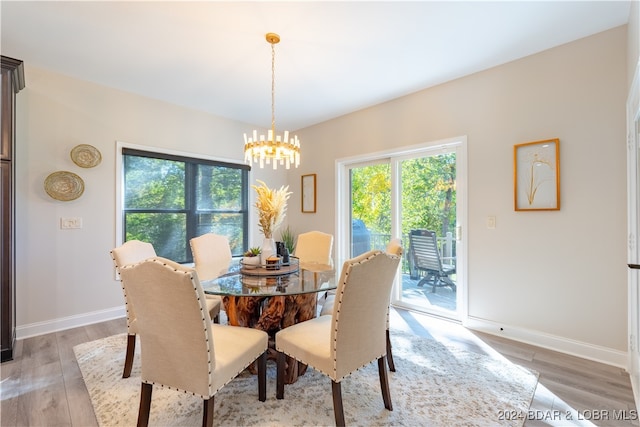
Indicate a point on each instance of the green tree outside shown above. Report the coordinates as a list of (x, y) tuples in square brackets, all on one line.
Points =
[(428, 195)]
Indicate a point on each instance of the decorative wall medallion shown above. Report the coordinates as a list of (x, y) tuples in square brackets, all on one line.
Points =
[(86, 156), (64, 186)]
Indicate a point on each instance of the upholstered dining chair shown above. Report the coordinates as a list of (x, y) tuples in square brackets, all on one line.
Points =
[(132, 252), (211, 255), (181, 348), (211, 258), (314, 247), (395, 248), (352, 336)]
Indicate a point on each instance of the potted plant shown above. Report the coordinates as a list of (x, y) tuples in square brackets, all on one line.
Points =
[(289, 239), (251, 258)]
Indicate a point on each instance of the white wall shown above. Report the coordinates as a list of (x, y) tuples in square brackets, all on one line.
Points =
[(64, 274), (560, 274)]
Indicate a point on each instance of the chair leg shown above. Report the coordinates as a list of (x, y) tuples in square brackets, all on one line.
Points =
[(423, 281), (449, 282), (128, 360), (429, 279), (262, 377), (392, 366), (145, 405), (280, 366), (384, 383), (338, 410), (216, 319), (207, 415)]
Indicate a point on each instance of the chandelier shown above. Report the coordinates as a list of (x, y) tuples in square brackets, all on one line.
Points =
[(276, 149)]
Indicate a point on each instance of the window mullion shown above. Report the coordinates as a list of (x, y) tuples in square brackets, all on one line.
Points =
[(190, 203), (245, 210)]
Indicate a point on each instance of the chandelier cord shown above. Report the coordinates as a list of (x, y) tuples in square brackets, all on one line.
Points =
[(273, 90)]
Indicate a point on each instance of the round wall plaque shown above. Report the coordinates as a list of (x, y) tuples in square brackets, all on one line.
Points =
[(64, 186), (86, 156)]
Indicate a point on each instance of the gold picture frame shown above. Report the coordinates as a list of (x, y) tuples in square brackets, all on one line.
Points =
[(536, 175), (308, 193)]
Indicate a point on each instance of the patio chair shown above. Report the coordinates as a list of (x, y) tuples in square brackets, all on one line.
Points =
[(425, 257)]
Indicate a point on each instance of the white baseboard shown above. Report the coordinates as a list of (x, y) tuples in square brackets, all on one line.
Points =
[(55, 325), (584, 350)]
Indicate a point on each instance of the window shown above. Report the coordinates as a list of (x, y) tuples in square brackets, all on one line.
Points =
[(169, 199)]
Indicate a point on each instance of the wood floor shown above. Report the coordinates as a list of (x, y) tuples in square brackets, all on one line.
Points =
[(43, 386)]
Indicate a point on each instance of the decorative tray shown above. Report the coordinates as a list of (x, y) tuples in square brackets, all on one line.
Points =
[(261, 270)]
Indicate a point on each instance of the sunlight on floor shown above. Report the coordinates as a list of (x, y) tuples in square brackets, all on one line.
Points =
[(547, 409)]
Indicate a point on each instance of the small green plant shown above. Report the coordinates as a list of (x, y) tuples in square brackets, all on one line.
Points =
[(255, 251), (288, 238)]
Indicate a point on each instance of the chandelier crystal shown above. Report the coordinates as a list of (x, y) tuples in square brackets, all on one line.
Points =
[(274, 149)]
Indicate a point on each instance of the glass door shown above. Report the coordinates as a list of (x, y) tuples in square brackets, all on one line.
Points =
[(370, 189), (428, 206), (409, 196)]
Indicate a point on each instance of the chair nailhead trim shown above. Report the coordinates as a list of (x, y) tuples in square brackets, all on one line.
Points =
[(339, 302), (203, 317)]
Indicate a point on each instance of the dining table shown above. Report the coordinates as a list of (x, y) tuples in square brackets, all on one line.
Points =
[(272, 297)]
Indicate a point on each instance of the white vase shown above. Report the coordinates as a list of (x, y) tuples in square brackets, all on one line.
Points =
[(268, 249)]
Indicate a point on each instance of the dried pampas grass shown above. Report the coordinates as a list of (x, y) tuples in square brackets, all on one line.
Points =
[(272, 207)]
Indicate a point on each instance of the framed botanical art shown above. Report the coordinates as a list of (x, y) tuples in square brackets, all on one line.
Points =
[(309, 193), (536, 171)]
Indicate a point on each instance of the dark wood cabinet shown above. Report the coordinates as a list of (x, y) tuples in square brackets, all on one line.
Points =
[(12, 83)]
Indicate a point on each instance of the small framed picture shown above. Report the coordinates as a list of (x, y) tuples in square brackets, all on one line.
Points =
[(537, 175), (309, 193)]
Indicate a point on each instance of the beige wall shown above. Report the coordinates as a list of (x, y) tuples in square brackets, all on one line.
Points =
[(556, 273), (633, 44)]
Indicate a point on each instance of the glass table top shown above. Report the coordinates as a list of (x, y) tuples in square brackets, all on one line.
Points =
[(295, 279)]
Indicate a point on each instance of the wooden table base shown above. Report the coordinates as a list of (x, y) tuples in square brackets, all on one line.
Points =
[(271, 314)]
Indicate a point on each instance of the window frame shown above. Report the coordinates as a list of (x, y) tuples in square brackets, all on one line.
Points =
[(191, 160)]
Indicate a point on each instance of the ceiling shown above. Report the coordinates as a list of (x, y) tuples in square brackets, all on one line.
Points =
[(333, 58)]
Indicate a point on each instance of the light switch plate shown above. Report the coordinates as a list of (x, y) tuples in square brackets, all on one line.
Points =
[(491, 222), (68, 223)]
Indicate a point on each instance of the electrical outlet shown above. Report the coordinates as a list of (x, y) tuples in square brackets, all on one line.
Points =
[(68, 223), (491, 222)]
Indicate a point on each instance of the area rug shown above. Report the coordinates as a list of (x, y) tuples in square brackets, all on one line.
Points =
[(434, 385)]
